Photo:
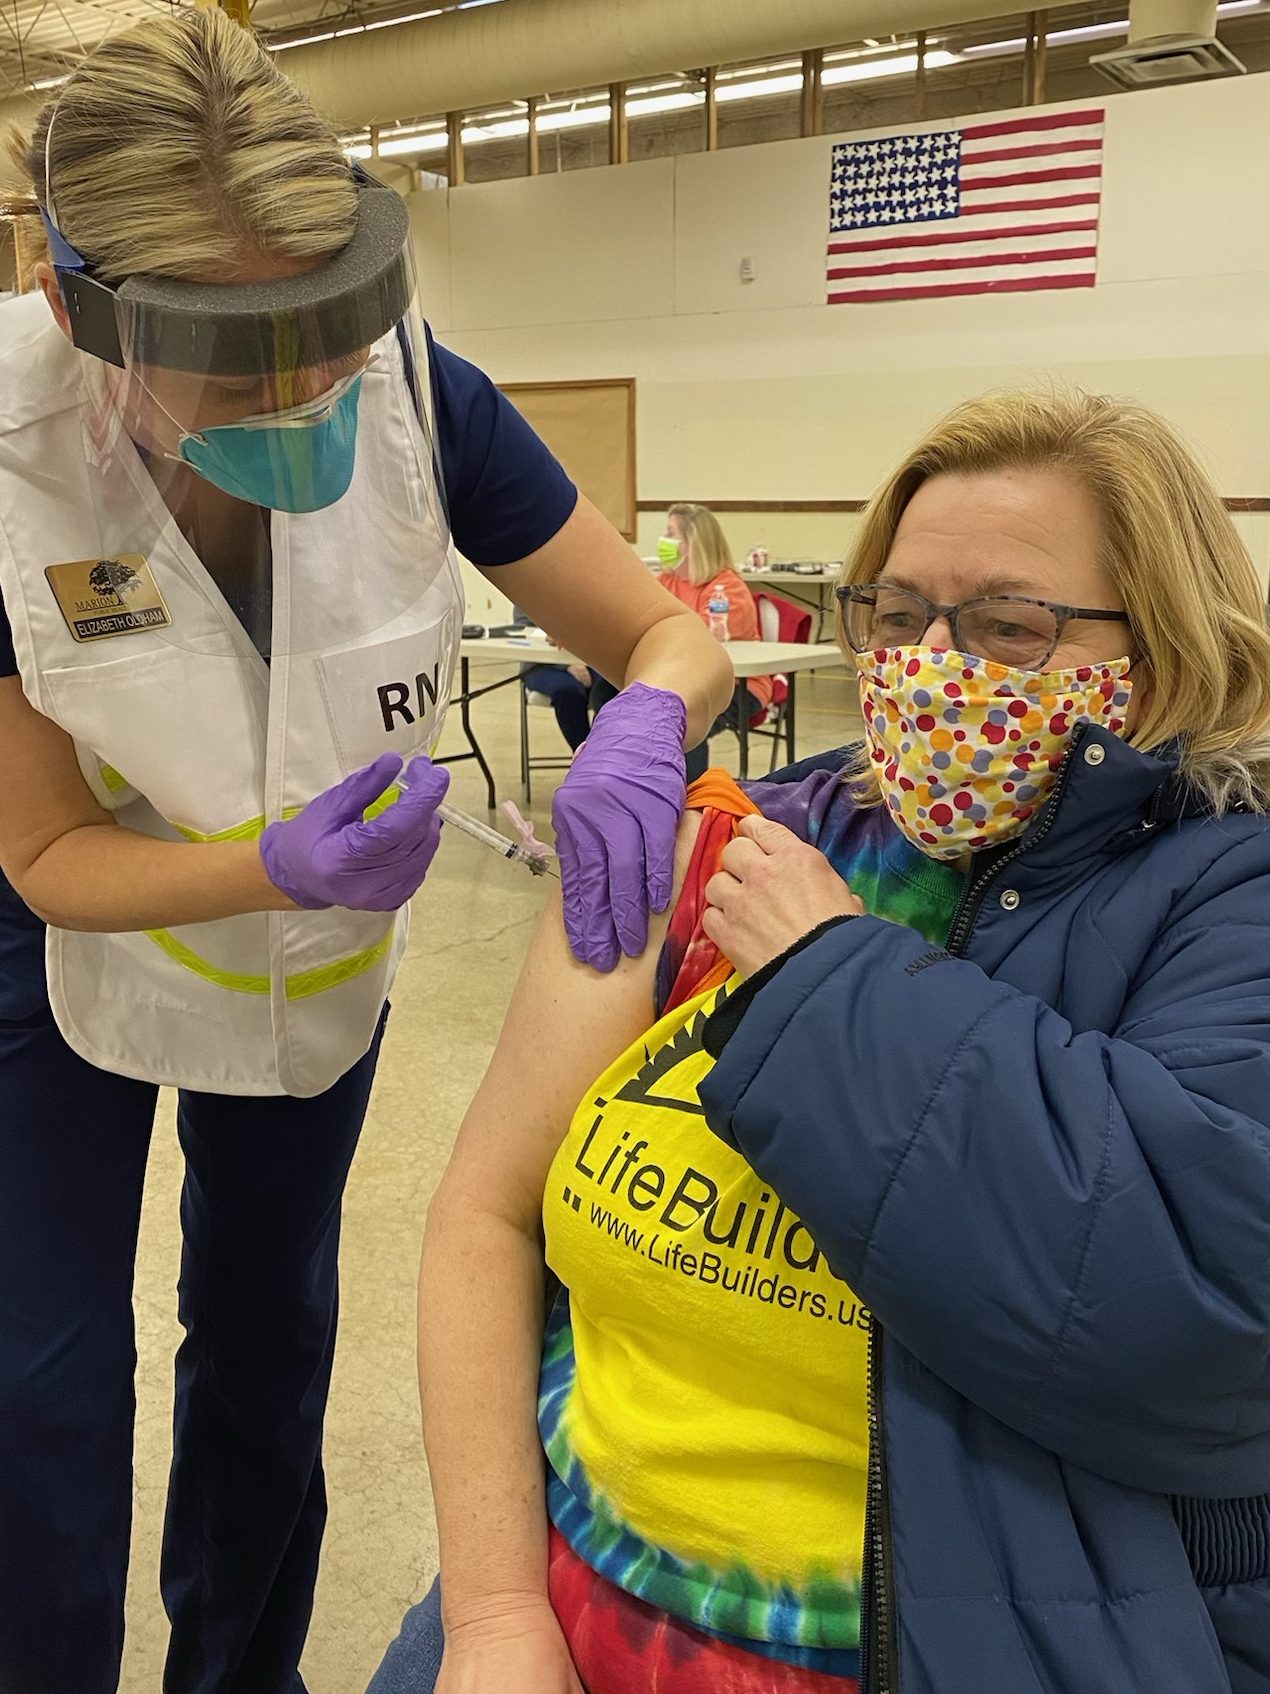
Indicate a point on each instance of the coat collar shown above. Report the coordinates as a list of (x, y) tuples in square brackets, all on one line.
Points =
[(1108, 796)]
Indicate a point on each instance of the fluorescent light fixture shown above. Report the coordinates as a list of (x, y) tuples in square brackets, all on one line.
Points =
[(51, 82), (410, 18), (304, 41), (634, 89), (683, 101), (1086, 32), (865, 70), (404, 145), (836, 55), (728, 91), (354, 29), (905, 66), (1092, 32), (757, 73)]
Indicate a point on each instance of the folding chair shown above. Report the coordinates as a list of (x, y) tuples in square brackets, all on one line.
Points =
[(529, 762), (778, 620)]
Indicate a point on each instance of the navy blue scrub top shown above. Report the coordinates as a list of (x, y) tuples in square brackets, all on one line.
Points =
[(506, 495)]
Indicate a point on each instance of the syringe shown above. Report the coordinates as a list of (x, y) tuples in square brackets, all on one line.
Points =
[(490, 837)]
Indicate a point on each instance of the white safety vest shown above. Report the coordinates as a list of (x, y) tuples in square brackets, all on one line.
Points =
[(185, 733)]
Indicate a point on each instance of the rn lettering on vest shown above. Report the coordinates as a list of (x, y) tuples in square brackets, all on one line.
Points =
[(394, 698)]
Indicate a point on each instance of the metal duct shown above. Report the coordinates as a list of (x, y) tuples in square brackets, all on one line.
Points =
[(1151, 18), (1169, 41), (467, 59)]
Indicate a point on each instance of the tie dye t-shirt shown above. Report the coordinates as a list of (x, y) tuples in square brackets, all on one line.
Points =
[(702, 1401)]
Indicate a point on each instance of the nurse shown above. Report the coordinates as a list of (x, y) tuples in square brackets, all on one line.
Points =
[(234, 472)]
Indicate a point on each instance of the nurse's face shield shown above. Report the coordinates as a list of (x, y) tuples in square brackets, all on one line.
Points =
[(302, 398), (198, 357)]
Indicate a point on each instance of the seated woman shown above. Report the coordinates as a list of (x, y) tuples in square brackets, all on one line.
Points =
[(697, 568), (912, 1214)]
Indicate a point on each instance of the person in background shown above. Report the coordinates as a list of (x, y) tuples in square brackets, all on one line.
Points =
[(697, 570)]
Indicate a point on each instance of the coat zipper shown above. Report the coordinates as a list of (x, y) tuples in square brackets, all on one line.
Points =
[(879, 1659), (879, 1665), (972, 900)]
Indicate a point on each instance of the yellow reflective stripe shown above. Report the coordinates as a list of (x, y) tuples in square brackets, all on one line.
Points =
[(253, 828), (389, 797), (302, 986), (326, 977), (235, 981), (115, 783)]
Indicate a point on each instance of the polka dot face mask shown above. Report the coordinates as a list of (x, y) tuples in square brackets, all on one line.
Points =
[(965, 749)]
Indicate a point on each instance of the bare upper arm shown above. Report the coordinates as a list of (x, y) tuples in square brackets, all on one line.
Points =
[(565, 1024), (45, 794)]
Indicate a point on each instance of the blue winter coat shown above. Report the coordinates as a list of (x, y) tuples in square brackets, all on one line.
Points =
[(1045, 1165)]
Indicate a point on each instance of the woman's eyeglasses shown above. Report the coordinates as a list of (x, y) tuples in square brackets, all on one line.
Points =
[(1006, 628)]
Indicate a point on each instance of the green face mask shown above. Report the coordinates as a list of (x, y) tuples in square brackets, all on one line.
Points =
[(668, 550)]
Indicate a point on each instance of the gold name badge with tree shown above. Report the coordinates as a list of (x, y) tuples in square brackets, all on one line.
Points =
[(101, 598)]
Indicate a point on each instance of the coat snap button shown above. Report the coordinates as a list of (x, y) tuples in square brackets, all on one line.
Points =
[(1095, 755), (1010, 899)]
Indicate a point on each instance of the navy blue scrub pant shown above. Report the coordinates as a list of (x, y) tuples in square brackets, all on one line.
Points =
[(260, 1211), (570, 699)]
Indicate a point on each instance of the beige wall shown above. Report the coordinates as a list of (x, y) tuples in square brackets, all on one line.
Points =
[(760, 391)]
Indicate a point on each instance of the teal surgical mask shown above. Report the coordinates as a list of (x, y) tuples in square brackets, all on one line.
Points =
[(668, 550), (297, 460)]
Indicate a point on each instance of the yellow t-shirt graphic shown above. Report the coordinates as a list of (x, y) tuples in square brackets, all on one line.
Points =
[(703, 1391)]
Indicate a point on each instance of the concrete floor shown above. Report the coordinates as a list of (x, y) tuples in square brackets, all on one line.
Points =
[(471, 926)]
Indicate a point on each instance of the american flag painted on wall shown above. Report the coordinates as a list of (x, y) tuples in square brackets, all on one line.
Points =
[(997, 208)]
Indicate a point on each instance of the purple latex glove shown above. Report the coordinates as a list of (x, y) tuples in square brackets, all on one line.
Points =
[(616, 815), (327, 856)]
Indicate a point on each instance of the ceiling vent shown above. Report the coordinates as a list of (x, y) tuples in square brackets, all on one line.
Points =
[(1167, 58)]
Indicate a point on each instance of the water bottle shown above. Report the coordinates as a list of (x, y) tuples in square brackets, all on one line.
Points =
[(717, 614)]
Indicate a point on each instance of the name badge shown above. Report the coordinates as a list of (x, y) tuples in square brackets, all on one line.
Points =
[(100, 598)]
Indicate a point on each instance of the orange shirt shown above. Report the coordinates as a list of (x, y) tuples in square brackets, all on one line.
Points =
[(742, 615)]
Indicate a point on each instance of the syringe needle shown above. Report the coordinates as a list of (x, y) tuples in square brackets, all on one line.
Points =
[(492, 838)]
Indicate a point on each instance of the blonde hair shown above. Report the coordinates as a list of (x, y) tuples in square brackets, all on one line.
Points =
[(708, 552), (179, 149), (1197, 609)]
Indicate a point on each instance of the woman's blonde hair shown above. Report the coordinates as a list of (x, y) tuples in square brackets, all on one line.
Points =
[(707, 546), (1198, 611), (178, 149)]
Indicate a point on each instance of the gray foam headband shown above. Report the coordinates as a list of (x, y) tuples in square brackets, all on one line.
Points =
[(252, 328)]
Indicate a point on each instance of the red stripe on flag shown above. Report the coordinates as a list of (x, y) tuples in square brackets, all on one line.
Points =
[(1064, 173), (965, 262), (956, 236), (945, 290), (1020, 126), (1057, 201), (1044, 150)]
